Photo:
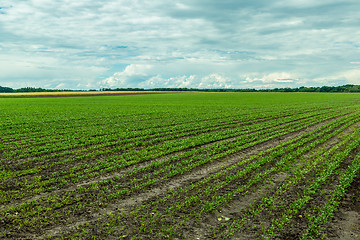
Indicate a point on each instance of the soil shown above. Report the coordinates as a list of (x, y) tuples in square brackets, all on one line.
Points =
[(346, 221)]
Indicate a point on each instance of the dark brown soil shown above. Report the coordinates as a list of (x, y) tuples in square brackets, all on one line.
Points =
[(346, 222)]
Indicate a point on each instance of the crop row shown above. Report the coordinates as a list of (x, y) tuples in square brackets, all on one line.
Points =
[(103, 190), (120, 161), (310, 165), (175, 166), (195, 203), (71, 142)]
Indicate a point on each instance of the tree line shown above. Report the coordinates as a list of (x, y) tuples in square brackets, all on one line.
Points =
[(344, 88)]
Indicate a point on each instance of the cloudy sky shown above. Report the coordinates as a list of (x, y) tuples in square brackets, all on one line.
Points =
[(86, 44)]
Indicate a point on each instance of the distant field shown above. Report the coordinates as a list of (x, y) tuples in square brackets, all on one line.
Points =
[(181, 166), (76, 93)]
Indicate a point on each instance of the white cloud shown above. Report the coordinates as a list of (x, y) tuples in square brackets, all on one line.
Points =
[(215, 81), (130, 77), (145, 76), (172, 82), (276, 77), (347, 77), (61, 85)]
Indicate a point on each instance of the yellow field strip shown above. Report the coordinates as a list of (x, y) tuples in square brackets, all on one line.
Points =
[(82, 93)]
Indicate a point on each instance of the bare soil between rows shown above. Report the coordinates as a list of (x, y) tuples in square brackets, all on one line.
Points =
[(345, 223)]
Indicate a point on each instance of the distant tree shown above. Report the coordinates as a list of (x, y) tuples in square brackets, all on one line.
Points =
[(354, 88), (6, 90), (344, 88)]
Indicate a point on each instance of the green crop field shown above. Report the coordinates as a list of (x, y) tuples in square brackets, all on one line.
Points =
[(181, 166)]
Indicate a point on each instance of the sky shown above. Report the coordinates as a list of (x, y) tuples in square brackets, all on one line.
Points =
[(89, 44)]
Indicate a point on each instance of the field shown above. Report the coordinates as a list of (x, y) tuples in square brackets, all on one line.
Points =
[(73, 94), (181, 166)]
